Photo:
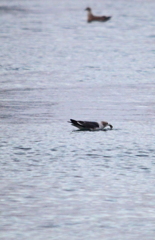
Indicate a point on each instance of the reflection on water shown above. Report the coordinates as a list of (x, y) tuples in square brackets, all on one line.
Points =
[(57, 181)]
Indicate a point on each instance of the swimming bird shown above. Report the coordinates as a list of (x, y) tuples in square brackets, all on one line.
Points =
[(91, 17), (90, 126)]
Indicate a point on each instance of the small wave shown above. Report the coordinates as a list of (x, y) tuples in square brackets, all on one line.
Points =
[(11, 9), (23, 148), (142, 155)]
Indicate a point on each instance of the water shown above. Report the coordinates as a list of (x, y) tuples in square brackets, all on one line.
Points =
[(58, 183)]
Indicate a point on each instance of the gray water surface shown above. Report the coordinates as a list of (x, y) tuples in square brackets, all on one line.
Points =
[(56, 182)]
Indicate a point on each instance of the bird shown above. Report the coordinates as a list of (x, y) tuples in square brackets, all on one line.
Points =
[(91, 17), (90, 126)]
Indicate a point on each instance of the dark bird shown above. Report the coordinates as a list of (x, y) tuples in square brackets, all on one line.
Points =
[(90, 126), (91, 17)]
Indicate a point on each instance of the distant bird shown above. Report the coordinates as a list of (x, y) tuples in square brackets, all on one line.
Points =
[(90, 126), (91, 17)]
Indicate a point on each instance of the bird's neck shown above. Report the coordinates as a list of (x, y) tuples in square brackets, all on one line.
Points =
[(89, 13)]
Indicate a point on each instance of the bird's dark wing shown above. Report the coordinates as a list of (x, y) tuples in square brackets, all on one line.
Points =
[(84, 124), (89, 125)]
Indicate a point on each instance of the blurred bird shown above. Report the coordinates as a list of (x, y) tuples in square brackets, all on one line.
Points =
[(91, 17), (91, 126)]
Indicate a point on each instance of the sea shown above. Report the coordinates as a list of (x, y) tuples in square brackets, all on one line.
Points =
[(56, 182)]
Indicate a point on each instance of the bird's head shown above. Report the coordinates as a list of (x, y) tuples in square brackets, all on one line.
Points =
[(88, 9)]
